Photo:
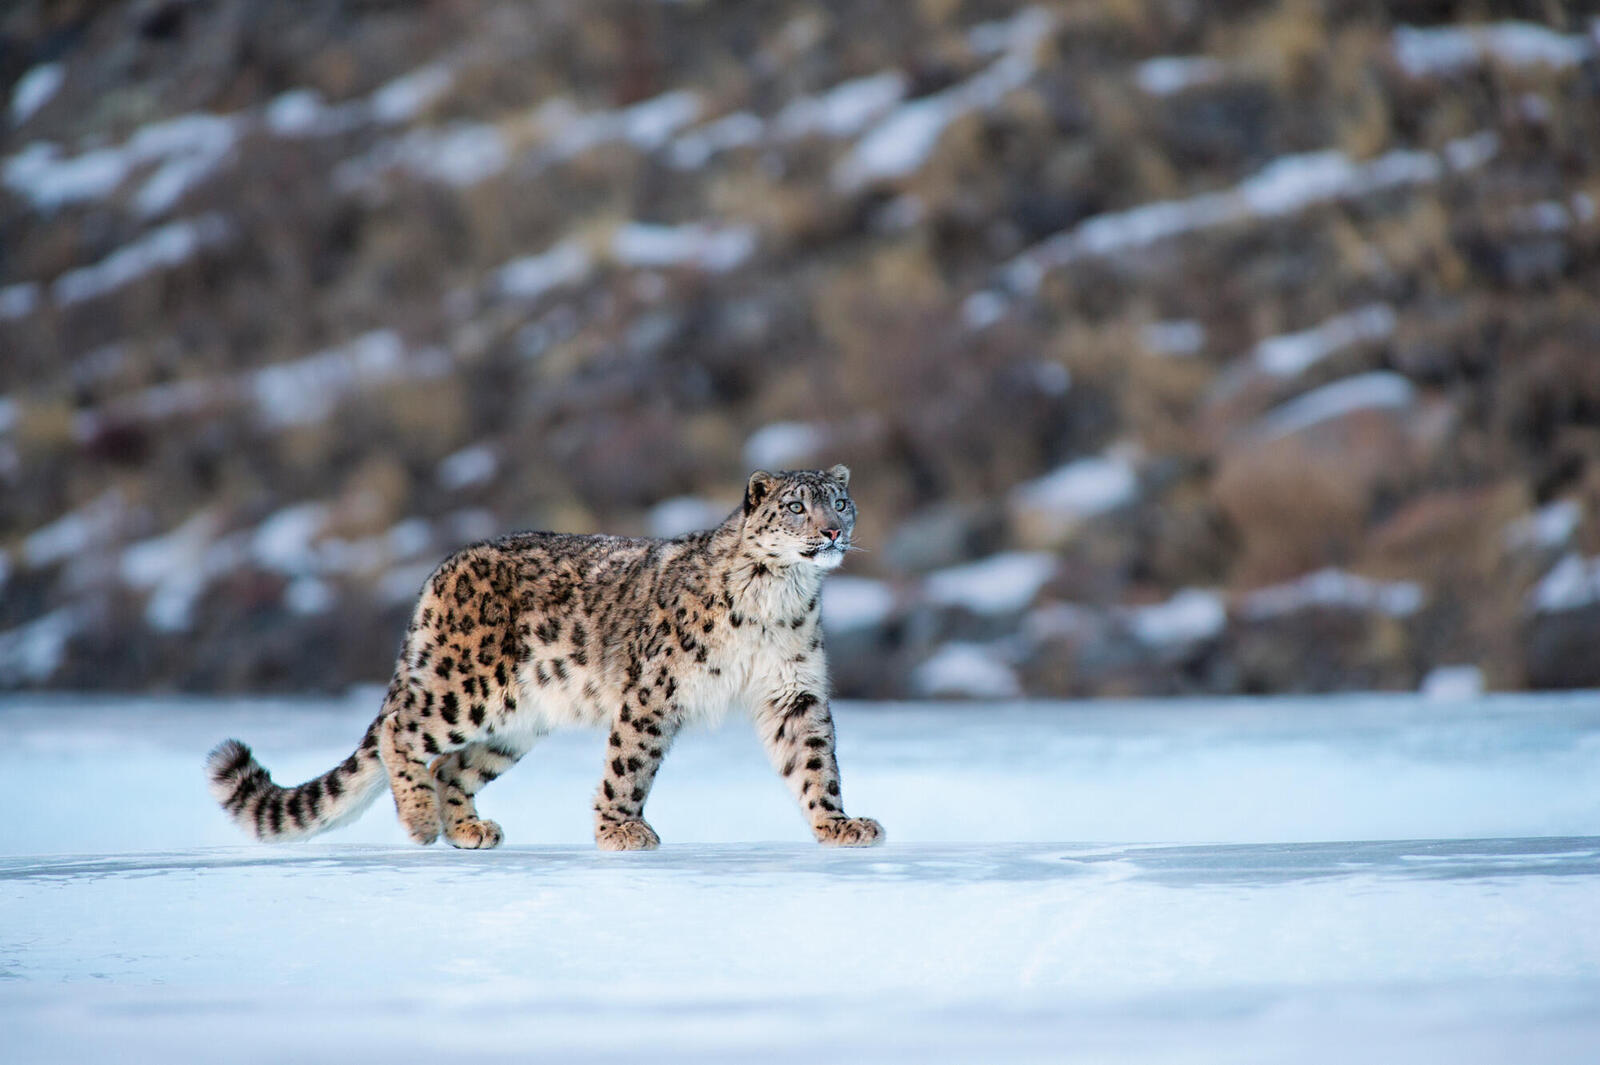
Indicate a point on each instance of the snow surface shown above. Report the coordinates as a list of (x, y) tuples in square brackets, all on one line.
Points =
[(1132, 882)]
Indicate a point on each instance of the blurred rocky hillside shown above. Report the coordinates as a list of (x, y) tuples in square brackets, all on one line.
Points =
[(1177, 347)]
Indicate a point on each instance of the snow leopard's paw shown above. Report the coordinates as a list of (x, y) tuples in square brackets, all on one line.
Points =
[(849, 832), (626, 836), (472, 834)]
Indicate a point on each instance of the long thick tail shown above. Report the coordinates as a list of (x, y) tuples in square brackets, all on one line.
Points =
[(275, 814)]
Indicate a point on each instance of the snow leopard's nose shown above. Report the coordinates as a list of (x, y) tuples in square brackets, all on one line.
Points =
[(832, 534)]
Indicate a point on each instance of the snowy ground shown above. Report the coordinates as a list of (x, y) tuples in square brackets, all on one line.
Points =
[(1101, 882)]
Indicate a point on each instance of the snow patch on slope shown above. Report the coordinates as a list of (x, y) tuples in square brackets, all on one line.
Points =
[(716, 249), (35, 89), (854, 603), (74, 533), (1291, 354), (1380, 390), (1000, 584), (784, 445), (965, 670), (1285, 186), (1573, 583), (1082, 488), (1169, 75), (19, 300), (683, 514), (531, 276), (31, 653), (1551, 526), (901, 142), (1190, 616), (844, 110), (171, 245), (1422, 52), (185, 150), (468, 468), (1333, 589)]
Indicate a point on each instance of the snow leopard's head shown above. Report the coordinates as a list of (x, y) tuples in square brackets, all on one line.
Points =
[(800, 516)]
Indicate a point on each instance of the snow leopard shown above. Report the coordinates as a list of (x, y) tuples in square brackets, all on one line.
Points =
[(514, 637)]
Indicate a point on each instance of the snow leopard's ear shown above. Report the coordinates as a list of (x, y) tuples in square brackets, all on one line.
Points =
[(840, 473), (759, 487)]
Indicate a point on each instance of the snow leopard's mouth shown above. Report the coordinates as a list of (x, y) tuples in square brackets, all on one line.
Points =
[(825, 549)]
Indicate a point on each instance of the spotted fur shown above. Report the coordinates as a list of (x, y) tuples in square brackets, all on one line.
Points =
[(515, 637)]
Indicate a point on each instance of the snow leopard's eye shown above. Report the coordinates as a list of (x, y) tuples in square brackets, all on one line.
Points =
[(798, 508), (841, 504)]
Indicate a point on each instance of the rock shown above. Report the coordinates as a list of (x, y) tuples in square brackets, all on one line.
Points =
[(1559, 648), (942, 535)]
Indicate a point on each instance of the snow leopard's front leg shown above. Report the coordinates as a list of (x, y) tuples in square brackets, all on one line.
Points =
[(640, 735), (797, 729)]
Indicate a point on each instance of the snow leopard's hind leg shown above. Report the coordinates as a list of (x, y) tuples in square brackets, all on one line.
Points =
[(400, 745), (458, 776), (453, 685)]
